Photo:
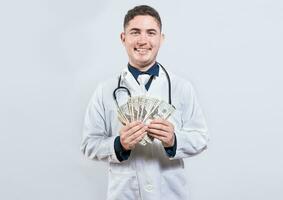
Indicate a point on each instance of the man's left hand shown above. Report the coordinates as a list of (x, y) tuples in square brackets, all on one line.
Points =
[(163, 130)]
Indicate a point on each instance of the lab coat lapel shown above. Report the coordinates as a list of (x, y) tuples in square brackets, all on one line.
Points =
[(159, 87), (130, 82)]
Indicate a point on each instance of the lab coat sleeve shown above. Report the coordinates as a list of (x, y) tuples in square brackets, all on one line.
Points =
[(192, 137), (96, 143)]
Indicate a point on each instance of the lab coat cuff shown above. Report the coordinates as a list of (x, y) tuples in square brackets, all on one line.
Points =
[(121, 154), (171, 151)]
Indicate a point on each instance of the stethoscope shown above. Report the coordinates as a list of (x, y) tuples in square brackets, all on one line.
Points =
[(119, 87)]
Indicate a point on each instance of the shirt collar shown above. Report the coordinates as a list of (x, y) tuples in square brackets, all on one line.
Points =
[(152, 71)]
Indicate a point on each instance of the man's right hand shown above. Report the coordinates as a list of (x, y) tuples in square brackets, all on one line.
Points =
[(131, 134)]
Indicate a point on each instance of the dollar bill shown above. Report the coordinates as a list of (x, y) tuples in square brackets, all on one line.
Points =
[(122, 118), (141, 102), (163, 111), (135, 104), (126, 112), (153, 105)]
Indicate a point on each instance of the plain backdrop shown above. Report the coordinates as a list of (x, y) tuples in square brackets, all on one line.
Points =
[(54, 53)]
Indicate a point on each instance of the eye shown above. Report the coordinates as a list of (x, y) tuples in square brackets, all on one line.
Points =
[(134, 32), (151, 33)]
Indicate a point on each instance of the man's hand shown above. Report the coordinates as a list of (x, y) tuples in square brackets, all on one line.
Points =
[(131, 134), (163, 130)]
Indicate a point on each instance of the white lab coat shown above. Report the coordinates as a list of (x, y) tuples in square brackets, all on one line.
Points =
[(148, 173)]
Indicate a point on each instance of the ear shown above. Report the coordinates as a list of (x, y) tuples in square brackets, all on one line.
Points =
[(122, 37), (162, 38)]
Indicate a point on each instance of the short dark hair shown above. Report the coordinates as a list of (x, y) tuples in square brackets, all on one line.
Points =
[(142, 10)]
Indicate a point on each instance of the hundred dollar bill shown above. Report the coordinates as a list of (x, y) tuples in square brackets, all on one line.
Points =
[(131, 108), (121, 118), (126, 112), (145, 105), (154, 103), (140, 107), (135, 104), (121, 115), (163, 111), (141, 111), (150, 105)]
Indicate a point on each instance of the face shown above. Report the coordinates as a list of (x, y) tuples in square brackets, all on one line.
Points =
[(142, 38)]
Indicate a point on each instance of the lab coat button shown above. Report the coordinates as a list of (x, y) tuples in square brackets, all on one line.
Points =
[(149, 188)]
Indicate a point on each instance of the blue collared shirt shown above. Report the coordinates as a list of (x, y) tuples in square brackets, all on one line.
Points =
[(152, 71)]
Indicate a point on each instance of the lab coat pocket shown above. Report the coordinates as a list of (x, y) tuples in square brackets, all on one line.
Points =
[(122, 185)]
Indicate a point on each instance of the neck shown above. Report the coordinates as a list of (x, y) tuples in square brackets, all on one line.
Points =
[(142, 68)]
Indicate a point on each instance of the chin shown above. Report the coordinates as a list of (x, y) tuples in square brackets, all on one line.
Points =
[(144, 60), (145, 64)]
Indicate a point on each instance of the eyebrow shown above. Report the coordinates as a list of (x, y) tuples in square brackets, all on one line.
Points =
[(137, 29), (134, 29), (152, 29)]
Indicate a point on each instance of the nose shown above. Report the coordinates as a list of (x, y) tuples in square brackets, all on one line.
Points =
[(142, 39)]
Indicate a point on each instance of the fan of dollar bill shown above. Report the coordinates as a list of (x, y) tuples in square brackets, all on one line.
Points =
[(144, 109)]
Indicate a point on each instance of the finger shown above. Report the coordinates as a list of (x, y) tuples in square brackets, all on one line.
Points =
[(135, 129), (161, 138), (159, 127), (158, 120), (164, 123), (131, 125), (126, 134), (137, 134), (161, 121), (131, 146), (158, 132), (139, 138)]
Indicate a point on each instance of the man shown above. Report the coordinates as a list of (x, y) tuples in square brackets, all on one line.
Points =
[(156, 170)]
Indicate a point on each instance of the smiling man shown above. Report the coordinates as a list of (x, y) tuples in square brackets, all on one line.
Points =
[(155, 170), (142, 38)]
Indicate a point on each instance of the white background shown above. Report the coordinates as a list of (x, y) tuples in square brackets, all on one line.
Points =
[(53, 54)]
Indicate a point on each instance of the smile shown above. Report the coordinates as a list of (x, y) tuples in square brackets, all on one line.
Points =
[(142, 50)]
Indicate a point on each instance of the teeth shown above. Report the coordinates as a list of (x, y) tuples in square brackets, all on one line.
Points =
[(141, 50)]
